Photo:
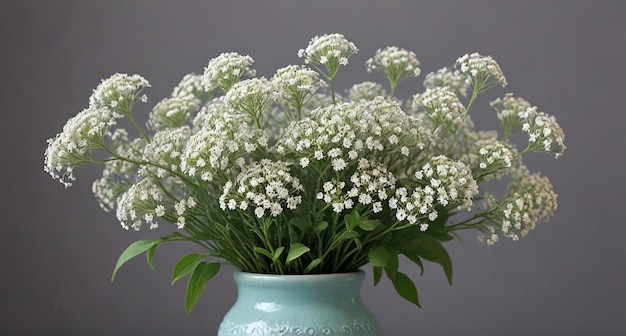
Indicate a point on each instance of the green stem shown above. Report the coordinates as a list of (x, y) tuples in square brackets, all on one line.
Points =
[(332, 89), (392, 90), (143, 133), (471, 102)]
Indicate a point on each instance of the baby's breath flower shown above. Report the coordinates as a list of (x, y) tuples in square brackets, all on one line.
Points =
[(251, 96), (173, 113), (491, 158), (295, 85), (396, 64), (223, 138), (362, 129), (447, 77), (530, 200), (372, 183), (544, 133), (365, 91), (442, 107), (73, 146), (511, 111), (481, 72), (443, 182), (330, 51), (266, 186), (139, 204), (119, 92), (225, 70), (191, 87), (108, 188), (166, 149)]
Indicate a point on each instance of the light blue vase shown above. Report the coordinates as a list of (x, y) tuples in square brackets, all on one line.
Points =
[(283, 305)]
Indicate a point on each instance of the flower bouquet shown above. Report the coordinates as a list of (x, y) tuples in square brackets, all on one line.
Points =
[(284, 175)]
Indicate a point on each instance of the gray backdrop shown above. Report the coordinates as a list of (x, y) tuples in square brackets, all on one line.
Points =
[(57, 248)]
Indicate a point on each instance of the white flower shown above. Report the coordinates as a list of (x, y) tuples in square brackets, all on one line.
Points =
[(481, 72), (330, 50), (73, 146), (119, 92), (442, 107), (173, 113), (225, 70), (396, 64), (365, 91), (447, 77), (531, 200), (295, 85), (264, 185), (251, 96)]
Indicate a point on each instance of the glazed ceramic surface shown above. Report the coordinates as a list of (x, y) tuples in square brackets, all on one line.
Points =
[(283, 305)]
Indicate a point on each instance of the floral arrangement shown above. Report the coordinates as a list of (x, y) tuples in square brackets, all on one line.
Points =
[(286, 176)]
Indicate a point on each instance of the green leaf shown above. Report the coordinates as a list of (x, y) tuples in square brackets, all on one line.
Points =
[(346, 235), (378, 256), (314, 263), (277, 253), (369, 225), (393, 262), (186, 265), (134, 250), (300, 223), (321, 226), (415, 258), (264, 252), (203, 272), (378, 274), (432, 250), (296, 250), (352, 220), (150, 255), (405, 288)]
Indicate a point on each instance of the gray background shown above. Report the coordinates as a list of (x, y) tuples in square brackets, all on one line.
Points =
[(57, 248)]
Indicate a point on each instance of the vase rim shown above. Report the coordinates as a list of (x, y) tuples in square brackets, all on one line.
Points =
[(242, 275)]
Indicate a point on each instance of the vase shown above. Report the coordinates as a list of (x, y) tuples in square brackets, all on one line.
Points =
[(283, 305)]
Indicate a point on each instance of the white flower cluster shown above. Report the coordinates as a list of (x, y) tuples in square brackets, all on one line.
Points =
[(141, 202), (493, 158), (544, 133), (265, 187), (108, 188), (365, 91), (251, 96), (225, 70), (119, 175), (180, 208), (166, 149), (443, 182), (189, 87), (344, 132), (370, 184), (442, 107), (396, 64), (516, 114), (532, 201), (221, 141), (330, 50), (447, 77), (72, 147), (482, 72), (119, 92), (173, 112), (296, 84), (510, 111)]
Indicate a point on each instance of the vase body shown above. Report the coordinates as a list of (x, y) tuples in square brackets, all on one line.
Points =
[(283, 305)]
